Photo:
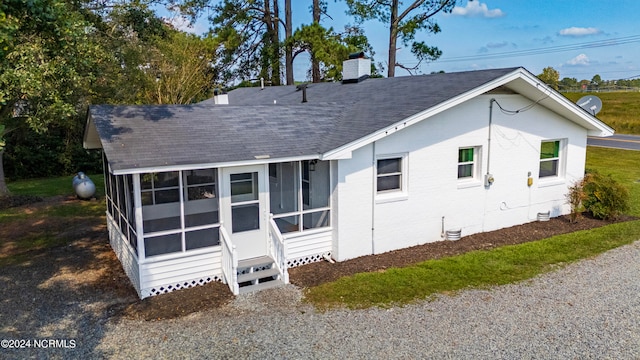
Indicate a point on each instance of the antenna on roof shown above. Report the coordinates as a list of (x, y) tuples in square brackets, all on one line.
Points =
[(591, 103)]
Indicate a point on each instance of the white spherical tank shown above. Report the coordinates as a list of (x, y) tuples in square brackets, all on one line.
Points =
[(83, 186)]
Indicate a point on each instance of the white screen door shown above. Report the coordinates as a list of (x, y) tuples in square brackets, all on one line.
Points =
[(244, 215)]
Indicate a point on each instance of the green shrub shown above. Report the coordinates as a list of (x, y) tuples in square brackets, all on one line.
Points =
[(604, 197), (575, 198)]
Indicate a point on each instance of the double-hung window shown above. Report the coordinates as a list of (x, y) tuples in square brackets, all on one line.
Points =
[(391, 177), (550, 158), (389, 174), (467, 163)]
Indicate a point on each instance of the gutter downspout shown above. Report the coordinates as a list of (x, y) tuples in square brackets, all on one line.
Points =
[(373, 196), (488, 178), (489, 137)]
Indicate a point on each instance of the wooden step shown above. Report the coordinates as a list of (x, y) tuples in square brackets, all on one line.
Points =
[(255, 262), (261, 286), (257, 275)]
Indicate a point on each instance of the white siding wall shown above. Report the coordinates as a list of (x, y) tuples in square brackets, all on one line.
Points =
[(352, 205), (433, 188), (304, 248), (125, 253), (163, 276)]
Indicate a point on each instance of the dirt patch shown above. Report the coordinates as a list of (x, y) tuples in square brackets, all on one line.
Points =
[(83, 268)]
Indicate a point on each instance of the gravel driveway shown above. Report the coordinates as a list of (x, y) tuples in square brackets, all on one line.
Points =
[(588, 310)]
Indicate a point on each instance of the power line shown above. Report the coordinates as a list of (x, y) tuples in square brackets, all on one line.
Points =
[(545, 50)]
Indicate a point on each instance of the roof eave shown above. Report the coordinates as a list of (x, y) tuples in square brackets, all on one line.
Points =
[(573, 112), (553, 100), (345, 150), (184, 167)]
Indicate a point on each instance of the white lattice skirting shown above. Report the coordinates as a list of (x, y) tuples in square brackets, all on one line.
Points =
[(307, 260), (164, 289), (178, 286)]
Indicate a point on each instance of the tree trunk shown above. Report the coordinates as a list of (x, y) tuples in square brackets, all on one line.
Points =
[(3, 184), (275, 40), (315, 65), (288, 32), (393, 38), (271, 64)]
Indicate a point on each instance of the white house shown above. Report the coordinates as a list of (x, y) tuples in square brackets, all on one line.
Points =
[(241, 187)]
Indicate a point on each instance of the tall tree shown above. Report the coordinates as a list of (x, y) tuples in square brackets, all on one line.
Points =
[(57, 56), (180, 70), (404, 21), (48, 61), (288, 33), (315, 63), (328, 48), (248, 31)]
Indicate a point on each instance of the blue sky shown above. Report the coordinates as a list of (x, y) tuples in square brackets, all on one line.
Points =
[(579, 38)]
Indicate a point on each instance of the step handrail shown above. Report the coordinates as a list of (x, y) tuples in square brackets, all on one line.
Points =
[(278, 249), (229, 261)]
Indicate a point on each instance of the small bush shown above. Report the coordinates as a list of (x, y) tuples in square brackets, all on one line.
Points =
[(604, 197), (575, 197)]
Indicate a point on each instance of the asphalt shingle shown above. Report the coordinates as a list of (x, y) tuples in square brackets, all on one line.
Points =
[(252, 125)]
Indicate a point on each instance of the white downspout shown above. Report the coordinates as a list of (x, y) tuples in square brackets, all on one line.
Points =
[(373, 196), (488, 178)]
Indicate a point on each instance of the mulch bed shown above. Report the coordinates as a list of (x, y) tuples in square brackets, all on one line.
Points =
[(322, 272)]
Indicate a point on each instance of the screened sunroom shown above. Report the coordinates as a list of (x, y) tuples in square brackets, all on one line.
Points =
[(179, 228)]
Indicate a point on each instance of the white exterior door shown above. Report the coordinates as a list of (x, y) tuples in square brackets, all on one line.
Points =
[(244, 214)]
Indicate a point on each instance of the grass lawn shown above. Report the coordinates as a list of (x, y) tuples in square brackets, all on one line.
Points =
[(481, 269), (53, 186), (54, 221)]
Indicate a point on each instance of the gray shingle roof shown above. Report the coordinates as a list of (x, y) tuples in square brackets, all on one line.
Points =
[(252, 125)]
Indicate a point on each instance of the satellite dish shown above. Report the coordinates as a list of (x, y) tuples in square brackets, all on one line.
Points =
[(591, 103)]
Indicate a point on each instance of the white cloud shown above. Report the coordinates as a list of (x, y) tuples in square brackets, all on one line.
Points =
[(580, 60), (579, 31), (477, 9)]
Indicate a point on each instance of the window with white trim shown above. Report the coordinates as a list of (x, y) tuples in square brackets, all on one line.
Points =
[(550, 154), (467, 163), (389, 175)]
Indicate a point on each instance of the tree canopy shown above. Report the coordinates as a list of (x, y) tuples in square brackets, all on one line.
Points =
[(328, 48), (405, 20), (59, 56), (550, 76)]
